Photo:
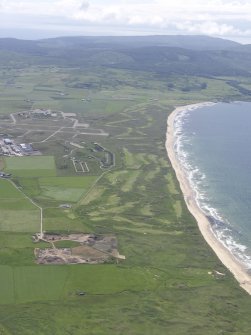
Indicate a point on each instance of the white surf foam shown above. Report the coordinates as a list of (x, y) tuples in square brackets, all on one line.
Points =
[(220, 226)]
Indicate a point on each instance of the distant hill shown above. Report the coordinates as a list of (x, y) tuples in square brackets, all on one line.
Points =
[(178, 41), (187, 55), (114, 42), (21, 46), (242, 48)]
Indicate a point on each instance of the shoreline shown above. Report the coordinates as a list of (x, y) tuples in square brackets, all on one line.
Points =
[(233, 265)]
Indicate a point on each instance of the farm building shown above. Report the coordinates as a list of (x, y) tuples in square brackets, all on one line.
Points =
[(26, 147), (5, 151), (41, 112), (7, 141)]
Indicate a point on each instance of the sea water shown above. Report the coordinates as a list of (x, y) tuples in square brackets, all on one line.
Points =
[(213, 144)]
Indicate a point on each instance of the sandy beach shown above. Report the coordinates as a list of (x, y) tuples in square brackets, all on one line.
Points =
[(238, 270)]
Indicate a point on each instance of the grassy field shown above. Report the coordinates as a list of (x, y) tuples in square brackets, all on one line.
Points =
[(31, 166), (166, 284), (69, 189), (22, 284), (17, 213), (20, 220), (56, 219)]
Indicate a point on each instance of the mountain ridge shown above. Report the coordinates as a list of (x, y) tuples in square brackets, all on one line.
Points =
[(161, 54)]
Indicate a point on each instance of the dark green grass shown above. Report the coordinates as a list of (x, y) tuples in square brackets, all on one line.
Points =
[(19, 241), (22, 284), (30, 186), (39, 283), (8, 191)]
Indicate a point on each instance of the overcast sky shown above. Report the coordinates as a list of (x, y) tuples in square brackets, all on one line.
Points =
[(34, 19)]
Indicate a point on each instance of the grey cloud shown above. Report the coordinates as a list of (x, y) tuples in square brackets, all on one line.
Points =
[(84, 6)]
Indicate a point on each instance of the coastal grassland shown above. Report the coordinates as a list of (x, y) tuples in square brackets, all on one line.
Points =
[(17, 213), (30, 163), (11, 104), (168, 282), (29, 166), (59, 220), (20, 220), (18, 248), (65, 188), (156, 231), (22, 284), (55, 190)]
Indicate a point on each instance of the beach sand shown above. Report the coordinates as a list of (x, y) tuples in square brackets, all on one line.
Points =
[(238, 270)]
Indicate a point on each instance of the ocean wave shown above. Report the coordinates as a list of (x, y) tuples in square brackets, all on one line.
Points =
[(220, 226)]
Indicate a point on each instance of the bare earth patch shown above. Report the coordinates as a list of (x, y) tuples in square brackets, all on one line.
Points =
[(92, 249)]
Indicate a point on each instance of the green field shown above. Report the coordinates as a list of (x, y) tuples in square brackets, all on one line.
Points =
[(65, 188), (17, 213), (43, 283), (167, 283), (8, 191), (56, 219), (31, 166), (20, 220)]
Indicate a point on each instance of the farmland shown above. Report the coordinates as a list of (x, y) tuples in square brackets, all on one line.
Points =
[(30, 166), (17, 213), (112, 122), (27, 284)]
